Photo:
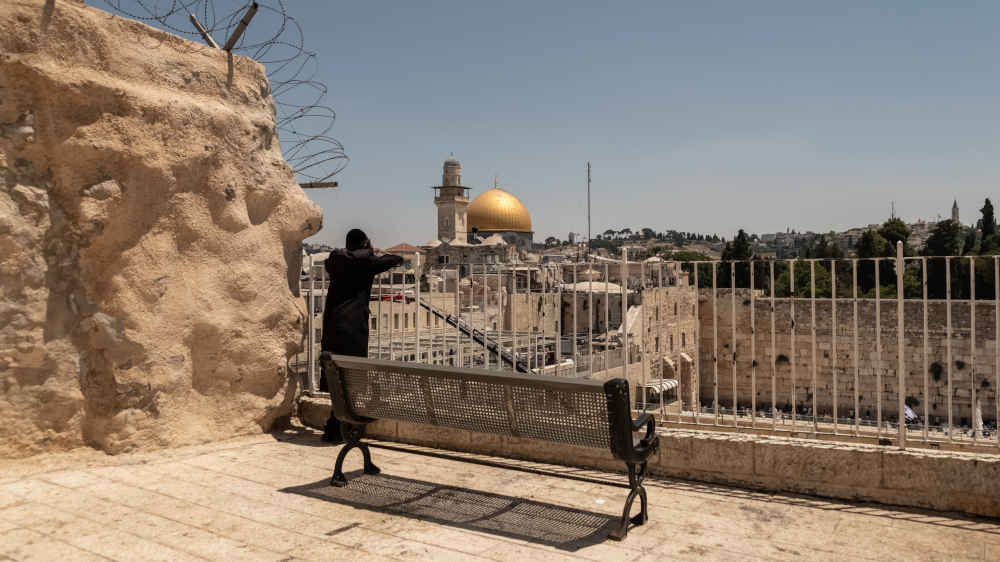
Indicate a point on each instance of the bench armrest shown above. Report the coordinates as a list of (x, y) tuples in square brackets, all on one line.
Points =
[(647, 420)]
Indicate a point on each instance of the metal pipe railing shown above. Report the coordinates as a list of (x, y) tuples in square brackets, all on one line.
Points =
[(940, 405)]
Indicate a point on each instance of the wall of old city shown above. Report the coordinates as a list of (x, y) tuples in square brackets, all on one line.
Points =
[(972, 366)]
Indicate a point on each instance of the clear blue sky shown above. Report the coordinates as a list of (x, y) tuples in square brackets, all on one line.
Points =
[(697, 116)]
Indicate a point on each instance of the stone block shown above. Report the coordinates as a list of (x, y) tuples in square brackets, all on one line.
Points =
[(431, 436), (314, 411), (942, 475), (383, 429), (721, 453), (795, 461)]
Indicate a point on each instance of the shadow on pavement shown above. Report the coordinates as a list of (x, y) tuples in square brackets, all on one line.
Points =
[(543, 523)]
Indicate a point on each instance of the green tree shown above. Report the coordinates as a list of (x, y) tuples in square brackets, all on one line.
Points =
[(803, 287), (704, 270), (821, 248), (741, 252), (871, 245), (988, 222), (895, 230), (947, 239), (971, 244)]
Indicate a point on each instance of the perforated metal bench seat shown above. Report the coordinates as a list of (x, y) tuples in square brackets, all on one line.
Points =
[(555, 409)]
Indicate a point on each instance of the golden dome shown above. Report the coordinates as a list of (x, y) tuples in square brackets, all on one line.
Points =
[(497, 210)]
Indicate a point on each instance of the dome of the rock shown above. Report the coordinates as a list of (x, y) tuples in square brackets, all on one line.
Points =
[(498, 211)]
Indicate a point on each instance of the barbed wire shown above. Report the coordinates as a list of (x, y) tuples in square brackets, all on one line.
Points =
[(274, 39)]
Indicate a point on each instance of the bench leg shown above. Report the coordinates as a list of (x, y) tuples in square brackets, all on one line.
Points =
[(352, 438), (636, 474)]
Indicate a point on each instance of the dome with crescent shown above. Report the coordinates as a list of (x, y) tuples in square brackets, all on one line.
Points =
[(496, 210)]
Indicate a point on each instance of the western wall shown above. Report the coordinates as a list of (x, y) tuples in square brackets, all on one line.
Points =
[(967, 376), (150, 233)]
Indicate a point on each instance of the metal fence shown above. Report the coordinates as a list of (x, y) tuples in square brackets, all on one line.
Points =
[(556, 319), (899, 350)]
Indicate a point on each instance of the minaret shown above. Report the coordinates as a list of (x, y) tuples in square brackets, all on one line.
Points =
[(954, 211), (452, 202)]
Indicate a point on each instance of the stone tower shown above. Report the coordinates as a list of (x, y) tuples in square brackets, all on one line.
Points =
[(954, 211), (452, 201)]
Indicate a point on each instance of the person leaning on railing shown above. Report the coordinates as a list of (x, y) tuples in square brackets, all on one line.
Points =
[(345, 320)]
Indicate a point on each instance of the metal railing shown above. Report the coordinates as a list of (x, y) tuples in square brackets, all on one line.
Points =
[(804, 347), (880, 346)]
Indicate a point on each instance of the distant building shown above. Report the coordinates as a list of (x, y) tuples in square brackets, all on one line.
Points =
[(408, 252), (492, 228), (452, 201), (496, 212)]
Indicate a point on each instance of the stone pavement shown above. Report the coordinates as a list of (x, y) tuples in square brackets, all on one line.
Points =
[(266, 498)]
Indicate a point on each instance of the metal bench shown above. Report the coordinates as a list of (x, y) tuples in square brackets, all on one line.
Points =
[(556, 409)]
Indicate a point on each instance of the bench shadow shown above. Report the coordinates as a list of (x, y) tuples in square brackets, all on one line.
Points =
[(960, 521), (558, 526)]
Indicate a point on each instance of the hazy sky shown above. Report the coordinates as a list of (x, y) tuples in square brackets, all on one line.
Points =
[(697, 116)]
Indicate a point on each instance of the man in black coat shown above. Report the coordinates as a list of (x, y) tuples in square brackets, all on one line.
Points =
[(345, 319)]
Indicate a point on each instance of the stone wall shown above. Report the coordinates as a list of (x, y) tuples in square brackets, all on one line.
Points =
[(150, 237), (669, 325), (971, 373)]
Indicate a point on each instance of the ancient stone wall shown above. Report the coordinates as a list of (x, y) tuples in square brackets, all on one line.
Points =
[(150, 237), (972, 374), (669, 324)]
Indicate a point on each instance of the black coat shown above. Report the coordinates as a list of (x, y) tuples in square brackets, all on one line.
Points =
[(345, 320)]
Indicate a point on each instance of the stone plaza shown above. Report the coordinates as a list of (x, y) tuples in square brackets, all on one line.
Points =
[(267, 497)]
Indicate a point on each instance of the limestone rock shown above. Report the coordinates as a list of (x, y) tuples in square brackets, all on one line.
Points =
[(150, 234)]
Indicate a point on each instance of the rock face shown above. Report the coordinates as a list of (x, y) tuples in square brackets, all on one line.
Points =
[(150, 237)]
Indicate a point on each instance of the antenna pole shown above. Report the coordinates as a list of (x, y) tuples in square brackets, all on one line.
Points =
[(588, 210)]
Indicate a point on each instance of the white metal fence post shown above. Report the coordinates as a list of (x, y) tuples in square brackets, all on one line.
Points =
[(923, 270), (732, 354), (973, 405), (794, 358), (419, 313), (311, 326), (576, 362), (624, 314), (857, 367), (607, 313), (901, 343), (590, 318), (812, 331), (696, 375), (753, 349), (774, 359), (715, 342), (879, 389), (947, 284), (996, 346), (833, 333)]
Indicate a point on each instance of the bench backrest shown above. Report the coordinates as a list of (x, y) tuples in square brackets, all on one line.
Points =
[(572, 411)]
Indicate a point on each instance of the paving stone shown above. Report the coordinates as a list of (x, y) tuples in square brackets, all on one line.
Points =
[(271, 500), (29, 545), (122, 546)]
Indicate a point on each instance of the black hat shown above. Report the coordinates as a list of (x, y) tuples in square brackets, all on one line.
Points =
[(356, 239)]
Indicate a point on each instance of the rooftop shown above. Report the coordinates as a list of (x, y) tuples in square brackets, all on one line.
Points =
[(404, 248), (266, 498)]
